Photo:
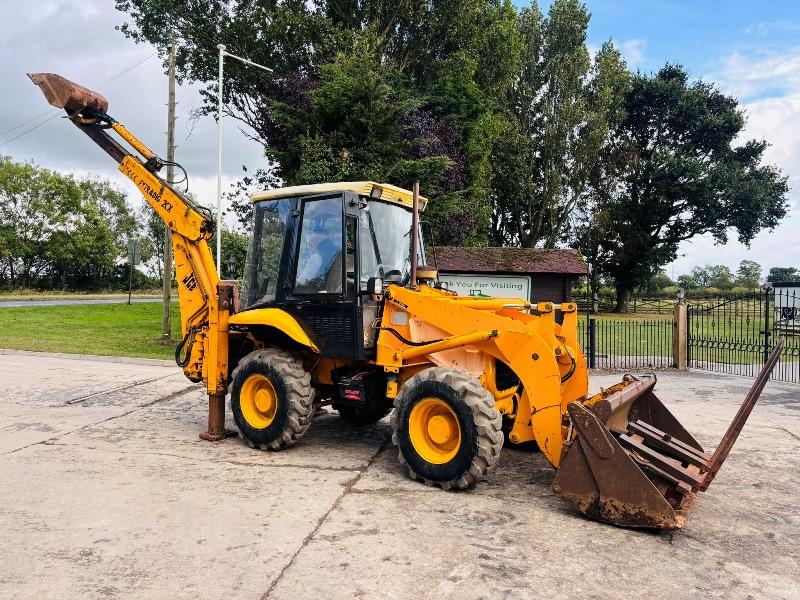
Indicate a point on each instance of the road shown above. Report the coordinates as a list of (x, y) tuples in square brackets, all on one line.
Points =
[(72, 302), (108, 493)]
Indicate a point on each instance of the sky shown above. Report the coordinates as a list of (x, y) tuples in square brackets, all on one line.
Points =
[(749, 49)]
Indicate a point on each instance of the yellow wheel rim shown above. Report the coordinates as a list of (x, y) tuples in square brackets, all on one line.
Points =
[(434, 430), (258, 401)]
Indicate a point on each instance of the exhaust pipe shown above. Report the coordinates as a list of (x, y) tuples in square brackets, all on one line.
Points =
[(631, 463)]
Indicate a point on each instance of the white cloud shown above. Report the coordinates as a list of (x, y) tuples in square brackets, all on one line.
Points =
[(633, 51), (760, 73), (775, 119), (767, 27), (45, 39)]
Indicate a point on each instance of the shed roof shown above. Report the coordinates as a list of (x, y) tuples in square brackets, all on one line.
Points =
[(457, 259)]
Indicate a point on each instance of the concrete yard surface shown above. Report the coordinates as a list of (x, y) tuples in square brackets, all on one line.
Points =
[(107, 492)]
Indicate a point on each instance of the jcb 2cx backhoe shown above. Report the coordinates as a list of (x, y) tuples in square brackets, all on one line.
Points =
[(335, 308)]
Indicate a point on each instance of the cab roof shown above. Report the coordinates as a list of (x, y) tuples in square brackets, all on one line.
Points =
[(381, 191)]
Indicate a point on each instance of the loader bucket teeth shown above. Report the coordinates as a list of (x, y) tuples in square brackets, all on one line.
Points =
[(63, 93), (632, 464)]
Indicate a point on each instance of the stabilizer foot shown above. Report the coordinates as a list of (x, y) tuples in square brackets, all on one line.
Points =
[(216, 437), (216, 420)]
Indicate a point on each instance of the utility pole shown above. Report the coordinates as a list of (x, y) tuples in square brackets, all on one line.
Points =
[(221, 48), (167, 279)]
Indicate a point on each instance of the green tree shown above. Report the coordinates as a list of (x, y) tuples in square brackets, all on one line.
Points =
[(720, 277), (748, 274), (687, 281), (656, 284), (234, 253), (714, 276), (57, 231), (783, 274), (391, 91), (670, 171), (561, 108), (152, 240)]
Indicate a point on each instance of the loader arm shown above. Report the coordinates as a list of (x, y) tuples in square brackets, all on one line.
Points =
[(205, 303)]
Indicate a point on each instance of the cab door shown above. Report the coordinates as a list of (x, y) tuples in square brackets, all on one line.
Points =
[(323, 289)]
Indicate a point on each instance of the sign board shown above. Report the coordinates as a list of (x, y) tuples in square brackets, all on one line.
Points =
[(505, 286), (134, 252)]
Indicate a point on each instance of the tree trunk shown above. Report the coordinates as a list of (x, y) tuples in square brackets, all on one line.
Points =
[(623, 298)]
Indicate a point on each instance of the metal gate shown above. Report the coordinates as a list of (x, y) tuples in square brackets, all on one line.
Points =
[(736, 334), (627, 343)]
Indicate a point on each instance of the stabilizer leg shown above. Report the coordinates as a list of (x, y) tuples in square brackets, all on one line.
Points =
[(216, 420)]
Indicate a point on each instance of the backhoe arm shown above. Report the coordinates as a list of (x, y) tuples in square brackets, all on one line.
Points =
[(205, 302)]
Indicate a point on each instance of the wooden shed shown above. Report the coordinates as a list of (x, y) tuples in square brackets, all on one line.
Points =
[(532, 274)]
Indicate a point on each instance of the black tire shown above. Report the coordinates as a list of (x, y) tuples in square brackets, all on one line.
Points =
[(359, 418), (481, 438), (295, 398)]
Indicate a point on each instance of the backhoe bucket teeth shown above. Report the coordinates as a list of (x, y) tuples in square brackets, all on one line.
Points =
[(630, 462), (63, 93)]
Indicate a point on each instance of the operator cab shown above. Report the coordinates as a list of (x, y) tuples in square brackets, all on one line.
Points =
[(321, 252)]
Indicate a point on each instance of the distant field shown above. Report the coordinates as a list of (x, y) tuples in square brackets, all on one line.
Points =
[(101, 329)]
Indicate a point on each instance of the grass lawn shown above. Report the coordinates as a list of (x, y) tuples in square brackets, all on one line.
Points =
[(135, 330), (102, 329)]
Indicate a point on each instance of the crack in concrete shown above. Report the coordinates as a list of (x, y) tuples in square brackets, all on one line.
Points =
[(776, 427), (400, 491), (116, 389), (206, 460), (348, 486), (125, 414), (794, 435)]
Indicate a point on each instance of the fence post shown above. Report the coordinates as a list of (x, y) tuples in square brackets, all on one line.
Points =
[(592, 343), (680, 336), (767, 331)]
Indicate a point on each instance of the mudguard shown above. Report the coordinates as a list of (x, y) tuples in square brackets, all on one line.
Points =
[(277, 318)]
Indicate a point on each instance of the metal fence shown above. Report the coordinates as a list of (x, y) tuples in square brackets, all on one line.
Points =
[(737, 334), (606, 304), (627, 343)]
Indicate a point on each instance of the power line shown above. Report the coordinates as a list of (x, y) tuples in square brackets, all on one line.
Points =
[(58, 111), (27, 131), (37, 117), (130, 68)]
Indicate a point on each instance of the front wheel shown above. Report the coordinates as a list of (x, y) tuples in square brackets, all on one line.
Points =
[(271, 398), (446, 428)]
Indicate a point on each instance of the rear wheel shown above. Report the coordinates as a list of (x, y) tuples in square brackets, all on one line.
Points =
[(446, 428), (271, 398)]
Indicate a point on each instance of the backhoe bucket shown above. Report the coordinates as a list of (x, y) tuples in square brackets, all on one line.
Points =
[(63, 93), (630, 462)]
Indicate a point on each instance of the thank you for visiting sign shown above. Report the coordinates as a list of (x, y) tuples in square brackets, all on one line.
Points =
[(503, 286)]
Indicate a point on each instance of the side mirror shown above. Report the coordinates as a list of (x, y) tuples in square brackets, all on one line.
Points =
[(375, 286)]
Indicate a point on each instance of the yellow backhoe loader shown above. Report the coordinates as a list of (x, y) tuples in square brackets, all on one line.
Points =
[(337, 307)]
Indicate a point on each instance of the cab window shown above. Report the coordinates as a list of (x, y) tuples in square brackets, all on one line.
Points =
[(319, 262)]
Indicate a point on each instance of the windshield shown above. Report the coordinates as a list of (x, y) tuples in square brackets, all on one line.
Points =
[(260, 281), (386, 242)]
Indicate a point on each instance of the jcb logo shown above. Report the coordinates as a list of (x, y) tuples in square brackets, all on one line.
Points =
[(190, 282)]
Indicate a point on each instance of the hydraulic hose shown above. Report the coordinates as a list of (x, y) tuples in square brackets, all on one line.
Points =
[(188, 338), (571, 355)]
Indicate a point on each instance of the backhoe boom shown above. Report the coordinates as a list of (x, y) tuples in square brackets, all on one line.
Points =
[(205, 302)]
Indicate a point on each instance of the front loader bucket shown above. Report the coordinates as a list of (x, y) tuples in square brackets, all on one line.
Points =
[(63, 93), (630, 462)]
